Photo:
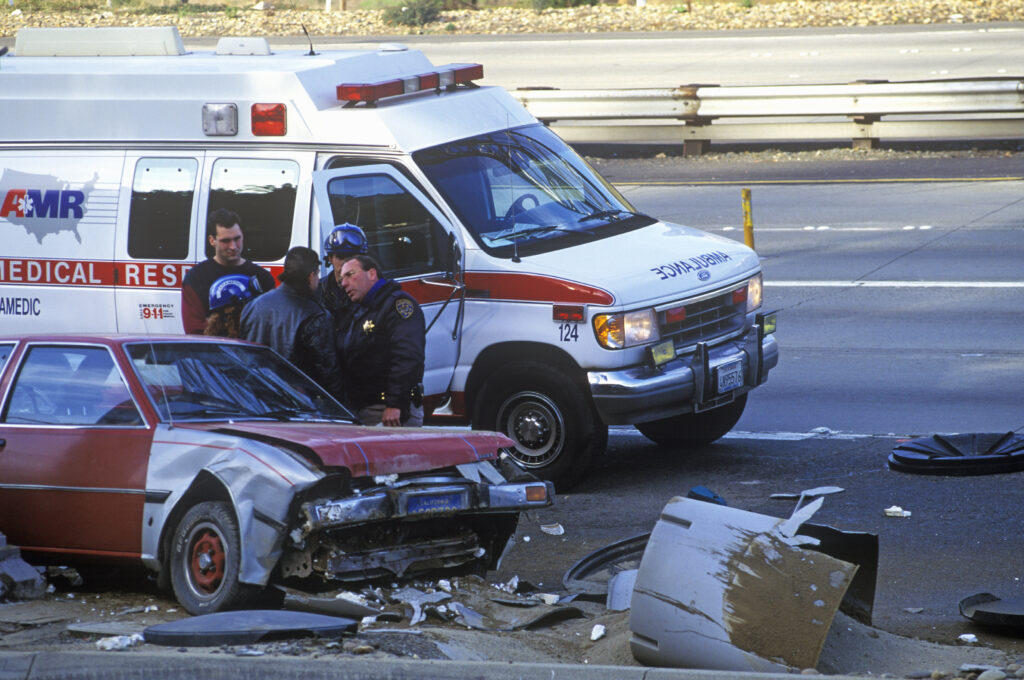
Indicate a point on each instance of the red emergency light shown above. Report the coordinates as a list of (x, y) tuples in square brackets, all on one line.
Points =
[(269, 120), (444, 77)]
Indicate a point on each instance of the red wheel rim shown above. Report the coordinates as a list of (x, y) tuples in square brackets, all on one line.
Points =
[(206, 561)]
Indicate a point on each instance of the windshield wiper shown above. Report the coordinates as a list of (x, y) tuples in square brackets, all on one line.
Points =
[(534, 232), (604, 214)]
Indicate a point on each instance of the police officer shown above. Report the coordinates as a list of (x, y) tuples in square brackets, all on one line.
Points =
[(344, 241), (382, 340), (289, 320)]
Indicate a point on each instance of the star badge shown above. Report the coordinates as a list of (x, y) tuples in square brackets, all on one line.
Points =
[(368, 326)]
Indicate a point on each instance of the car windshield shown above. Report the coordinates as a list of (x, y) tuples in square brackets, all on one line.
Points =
[(524, 191), (220, 381)]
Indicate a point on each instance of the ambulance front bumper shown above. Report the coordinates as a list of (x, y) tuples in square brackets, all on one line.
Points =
[(700, 381)]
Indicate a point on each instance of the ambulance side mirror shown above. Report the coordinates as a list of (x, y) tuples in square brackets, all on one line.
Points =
[(454, 256)]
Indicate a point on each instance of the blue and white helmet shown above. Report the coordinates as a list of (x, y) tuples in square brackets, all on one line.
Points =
[(232, 289), (345, 240)]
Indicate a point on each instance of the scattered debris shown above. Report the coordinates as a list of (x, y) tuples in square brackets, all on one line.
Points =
[(246, 627), (555, 529), (961, 454), (896, 511), (119, 643), (702, 493), (807, 493), (597, 632), (987, 609), (913, 610), (968, 638), (18, 579), (590, 576), (759, 592)]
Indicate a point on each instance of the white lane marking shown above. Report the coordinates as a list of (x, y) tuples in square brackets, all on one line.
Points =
[(826, 227), (816, 433), (894, 284)]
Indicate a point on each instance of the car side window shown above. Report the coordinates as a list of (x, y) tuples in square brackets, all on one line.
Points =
[(70, 385), (5, 354), (403, 236)]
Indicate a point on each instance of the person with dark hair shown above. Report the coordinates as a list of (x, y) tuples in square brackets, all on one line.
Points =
[(224, 234), (228, 295), (289, 320), (381, 347)]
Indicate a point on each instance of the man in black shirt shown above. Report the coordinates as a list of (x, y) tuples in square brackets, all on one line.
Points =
[(225, 236)]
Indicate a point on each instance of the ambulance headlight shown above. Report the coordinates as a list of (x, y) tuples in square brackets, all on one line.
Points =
[(616, 331), (755, 289)]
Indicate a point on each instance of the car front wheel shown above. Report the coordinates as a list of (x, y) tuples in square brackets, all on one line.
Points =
[(205, 560)]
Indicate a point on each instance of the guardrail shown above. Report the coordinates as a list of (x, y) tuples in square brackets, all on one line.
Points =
[(863, 112)]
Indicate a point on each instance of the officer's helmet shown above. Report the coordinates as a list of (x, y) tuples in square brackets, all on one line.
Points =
[(345, 240), (232, 289)]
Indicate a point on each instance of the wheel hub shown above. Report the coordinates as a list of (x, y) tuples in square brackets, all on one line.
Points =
[(532, 429)]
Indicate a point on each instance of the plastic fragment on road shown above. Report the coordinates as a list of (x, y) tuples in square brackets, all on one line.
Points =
[(989, 610), (597, 632), (555, 529), (246, 627), (960, 454), (896, 511), (968, 638), (724, 589), (119, 643), (807, 493)]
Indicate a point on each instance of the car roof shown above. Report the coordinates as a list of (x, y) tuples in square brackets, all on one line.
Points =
[(115, 339)]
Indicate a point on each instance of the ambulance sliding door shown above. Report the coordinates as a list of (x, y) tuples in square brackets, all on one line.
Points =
[(155, 246), (58, 212), (414, 243)]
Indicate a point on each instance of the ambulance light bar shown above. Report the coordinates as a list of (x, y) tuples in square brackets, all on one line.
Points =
[(445, 77)]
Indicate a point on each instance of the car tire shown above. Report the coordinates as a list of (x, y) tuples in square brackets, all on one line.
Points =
[(694, 429), (205, 560), (558, 433)]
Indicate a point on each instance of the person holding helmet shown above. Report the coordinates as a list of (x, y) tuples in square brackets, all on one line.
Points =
[(344, 242), (228, 295)]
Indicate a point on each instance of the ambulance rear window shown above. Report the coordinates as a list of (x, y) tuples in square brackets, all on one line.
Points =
[(161, 211), (263, 193)]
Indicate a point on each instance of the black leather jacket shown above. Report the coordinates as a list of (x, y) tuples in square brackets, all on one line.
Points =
[(299, 329), (381, 346)]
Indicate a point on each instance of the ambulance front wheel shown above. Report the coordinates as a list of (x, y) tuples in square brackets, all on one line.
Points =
[(694, 429), (557, 432)]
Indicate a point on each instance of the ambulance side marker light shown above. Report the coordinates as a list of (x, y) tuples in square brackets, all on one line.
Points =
[(445, 76), (269, 120)]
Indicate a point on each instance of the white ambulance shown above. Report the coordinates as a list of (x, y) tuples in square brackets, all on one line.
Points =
[(555, 309)]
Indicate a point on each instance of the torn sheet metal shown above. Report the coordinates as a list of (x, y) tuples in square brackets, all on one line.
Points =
[(722, 588), (989, 610)]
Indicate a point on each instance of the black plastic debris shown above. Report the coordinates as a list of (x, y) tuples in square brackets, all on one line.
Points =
[(960, 454), (246, 627), (989, 610), (588, 578)]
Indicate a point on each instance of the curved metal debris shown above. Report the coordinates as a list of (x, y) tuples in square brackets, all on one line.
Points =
[(960, 454)]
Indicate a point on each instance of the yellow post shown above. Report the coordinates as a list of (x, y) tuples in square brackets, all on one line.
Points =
[(748, 222)]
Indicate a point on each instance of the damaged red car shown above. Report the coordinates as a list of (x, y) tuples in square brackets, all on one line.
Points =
[(224, 469)]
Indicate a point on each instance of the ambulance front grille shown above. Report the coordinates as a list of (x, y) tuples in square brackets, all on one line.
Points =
[(713, 318)]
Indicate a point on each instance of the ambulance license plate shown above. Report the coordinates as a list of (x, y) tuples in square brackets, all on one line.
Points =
[(730, 376)]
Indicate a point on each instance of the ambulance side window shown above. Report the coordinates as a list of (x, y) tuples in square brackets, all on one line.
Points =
[(161, 211), (263, 193), (403, 236)]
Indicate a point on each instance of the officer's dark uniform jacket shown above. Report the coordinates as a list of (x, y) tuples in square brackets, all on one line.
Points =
[(299, 329), (332, 296), (381, 346)]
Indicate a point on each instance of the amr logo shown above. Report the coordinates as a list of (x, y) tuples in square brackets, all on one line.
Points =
[(52, 203)]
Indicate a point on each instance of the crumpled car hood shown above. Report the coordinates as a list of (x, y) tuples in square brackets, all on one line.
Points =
[(369, 451)]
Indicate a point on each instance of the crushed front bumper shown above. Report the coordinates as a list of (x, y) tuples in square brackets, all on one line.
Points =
[(685, 384)]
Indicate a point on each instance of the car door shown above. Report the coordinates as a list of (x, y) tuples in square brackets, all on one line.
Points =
[(75, 450), (414, 243)]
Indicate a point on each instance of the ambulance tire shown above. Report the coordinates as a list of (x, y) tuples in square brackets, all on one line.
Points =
[(694, 429), (205, 560), (558, 433)]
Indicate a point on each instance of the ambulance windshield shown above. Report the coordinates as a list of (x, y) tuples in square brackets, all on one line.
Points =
[(524, 191)]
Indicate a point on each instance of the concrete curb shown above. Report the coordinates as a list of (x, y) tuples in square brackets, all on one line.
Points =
[(173, 666)]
